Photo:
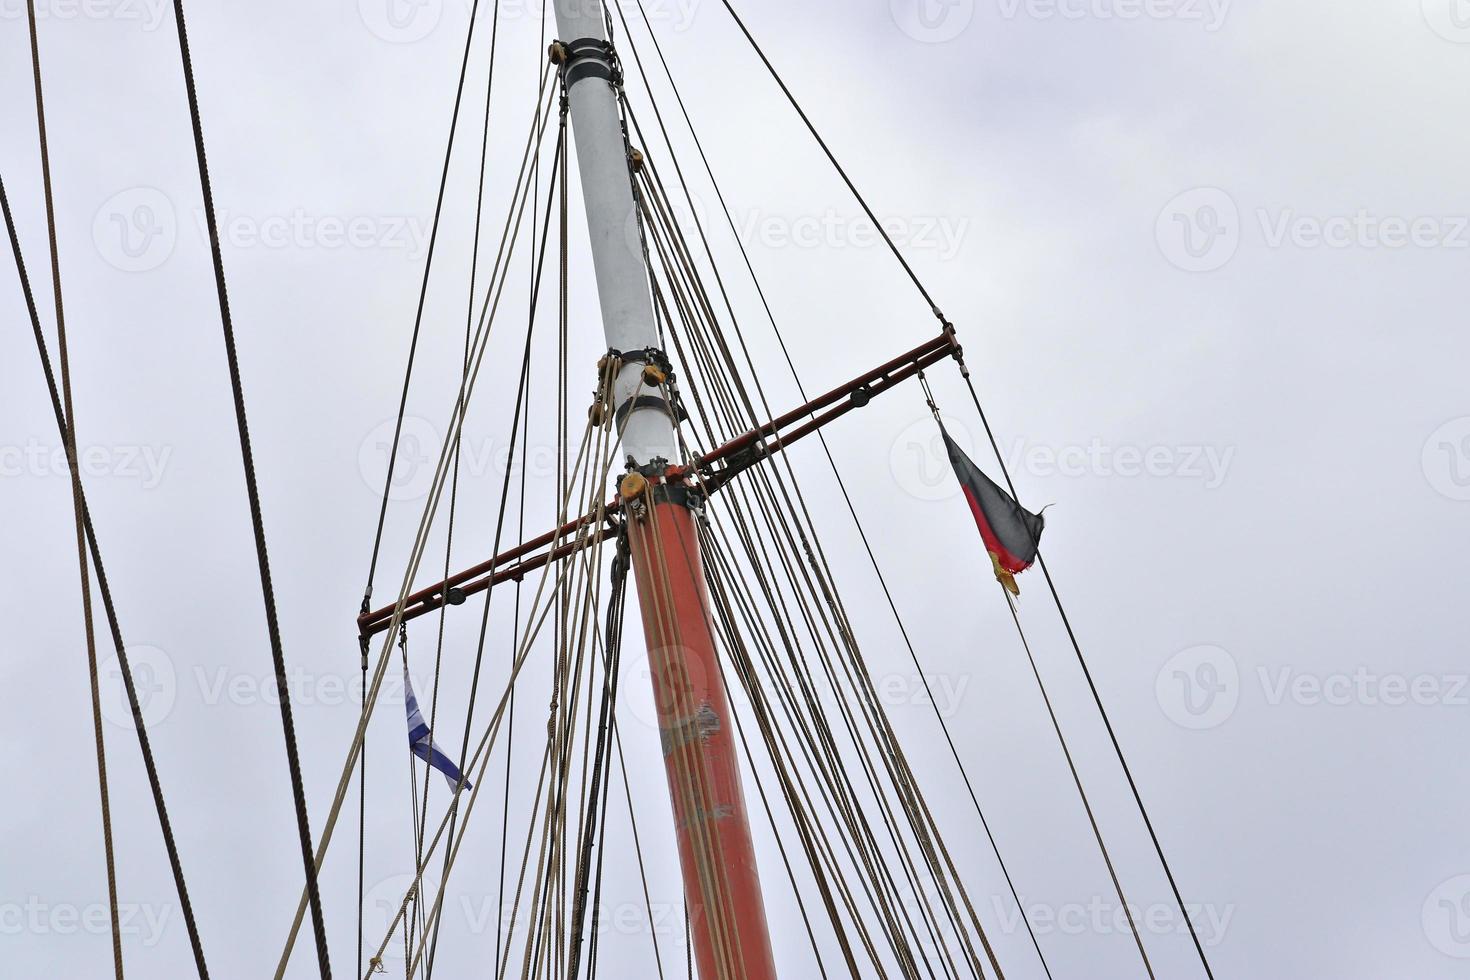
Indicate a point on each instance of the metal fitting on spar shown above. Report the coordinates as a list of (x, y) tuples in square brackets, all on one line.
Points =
[(586, 57)]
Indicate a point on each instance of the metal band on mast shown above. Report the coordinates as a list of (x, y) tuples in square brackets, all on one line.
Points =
[(721, 882)]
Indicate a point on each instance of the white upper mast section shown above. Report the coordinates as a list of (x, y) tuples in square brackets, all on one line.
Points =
[(612, 223)]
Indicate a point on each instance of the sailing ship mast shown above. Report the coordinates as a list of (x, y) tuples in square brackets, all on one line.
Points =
[(659, 520), (721, 882)]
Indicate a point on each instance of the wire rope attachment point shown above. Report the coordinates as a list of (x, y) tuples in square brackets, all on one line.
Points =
[(633, 490), (632, 486), (955, 350), (608, 367)]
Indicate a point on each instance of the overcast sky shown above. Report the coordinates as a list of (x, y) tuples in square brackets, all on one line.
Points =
[(1208, 262)]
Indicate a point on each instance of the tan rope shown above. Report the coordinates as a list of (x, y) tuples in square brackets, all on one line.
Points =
[(69, 441), (466, 389)]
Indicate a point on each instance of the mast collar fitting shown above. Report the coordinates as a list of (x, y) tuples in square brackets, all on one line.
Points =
[(586, 57)]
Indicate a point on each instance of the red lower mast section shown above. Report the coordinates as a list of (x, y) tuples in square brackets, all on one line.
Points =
[(721, 883)]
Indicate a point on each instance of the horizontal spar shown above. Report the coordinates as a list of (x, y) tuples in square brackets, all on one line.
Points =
[(736, 455), (504, 567), (751, 446)]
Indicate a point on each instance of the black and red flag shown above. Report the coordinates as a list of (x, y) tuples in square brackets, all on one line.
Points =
[(1011, 532)]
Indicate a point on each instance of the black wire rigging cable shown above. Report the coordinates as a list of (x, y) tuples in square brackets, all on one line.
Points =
[(862, 533), (68, 436), (278, 657), (811, 128), (1081, 793), (104, 588), (1096, 697), (1153, 836)]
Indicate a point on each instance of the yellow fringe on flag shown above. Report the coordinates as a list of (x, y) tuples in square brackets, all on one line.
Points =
[(1003, 576)]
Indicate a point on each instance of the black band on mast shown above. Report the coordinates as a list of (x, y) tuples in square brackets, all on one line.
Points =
[(588, 57)]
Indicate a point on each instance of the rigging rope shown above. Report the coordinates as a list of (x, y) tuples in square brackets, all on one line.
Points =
[(516, 422), (686, 309), (418, 318), (522, 395), (831, 461), (1061, 609), (816, 606), (278, 657), (110, 610), (1092, 687), (811, 128), (458, 440), (584, 539), (680, 280), (1077, 781), (420, 543), (612, 651), (511, 709), (68, 438), (361, 812)]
